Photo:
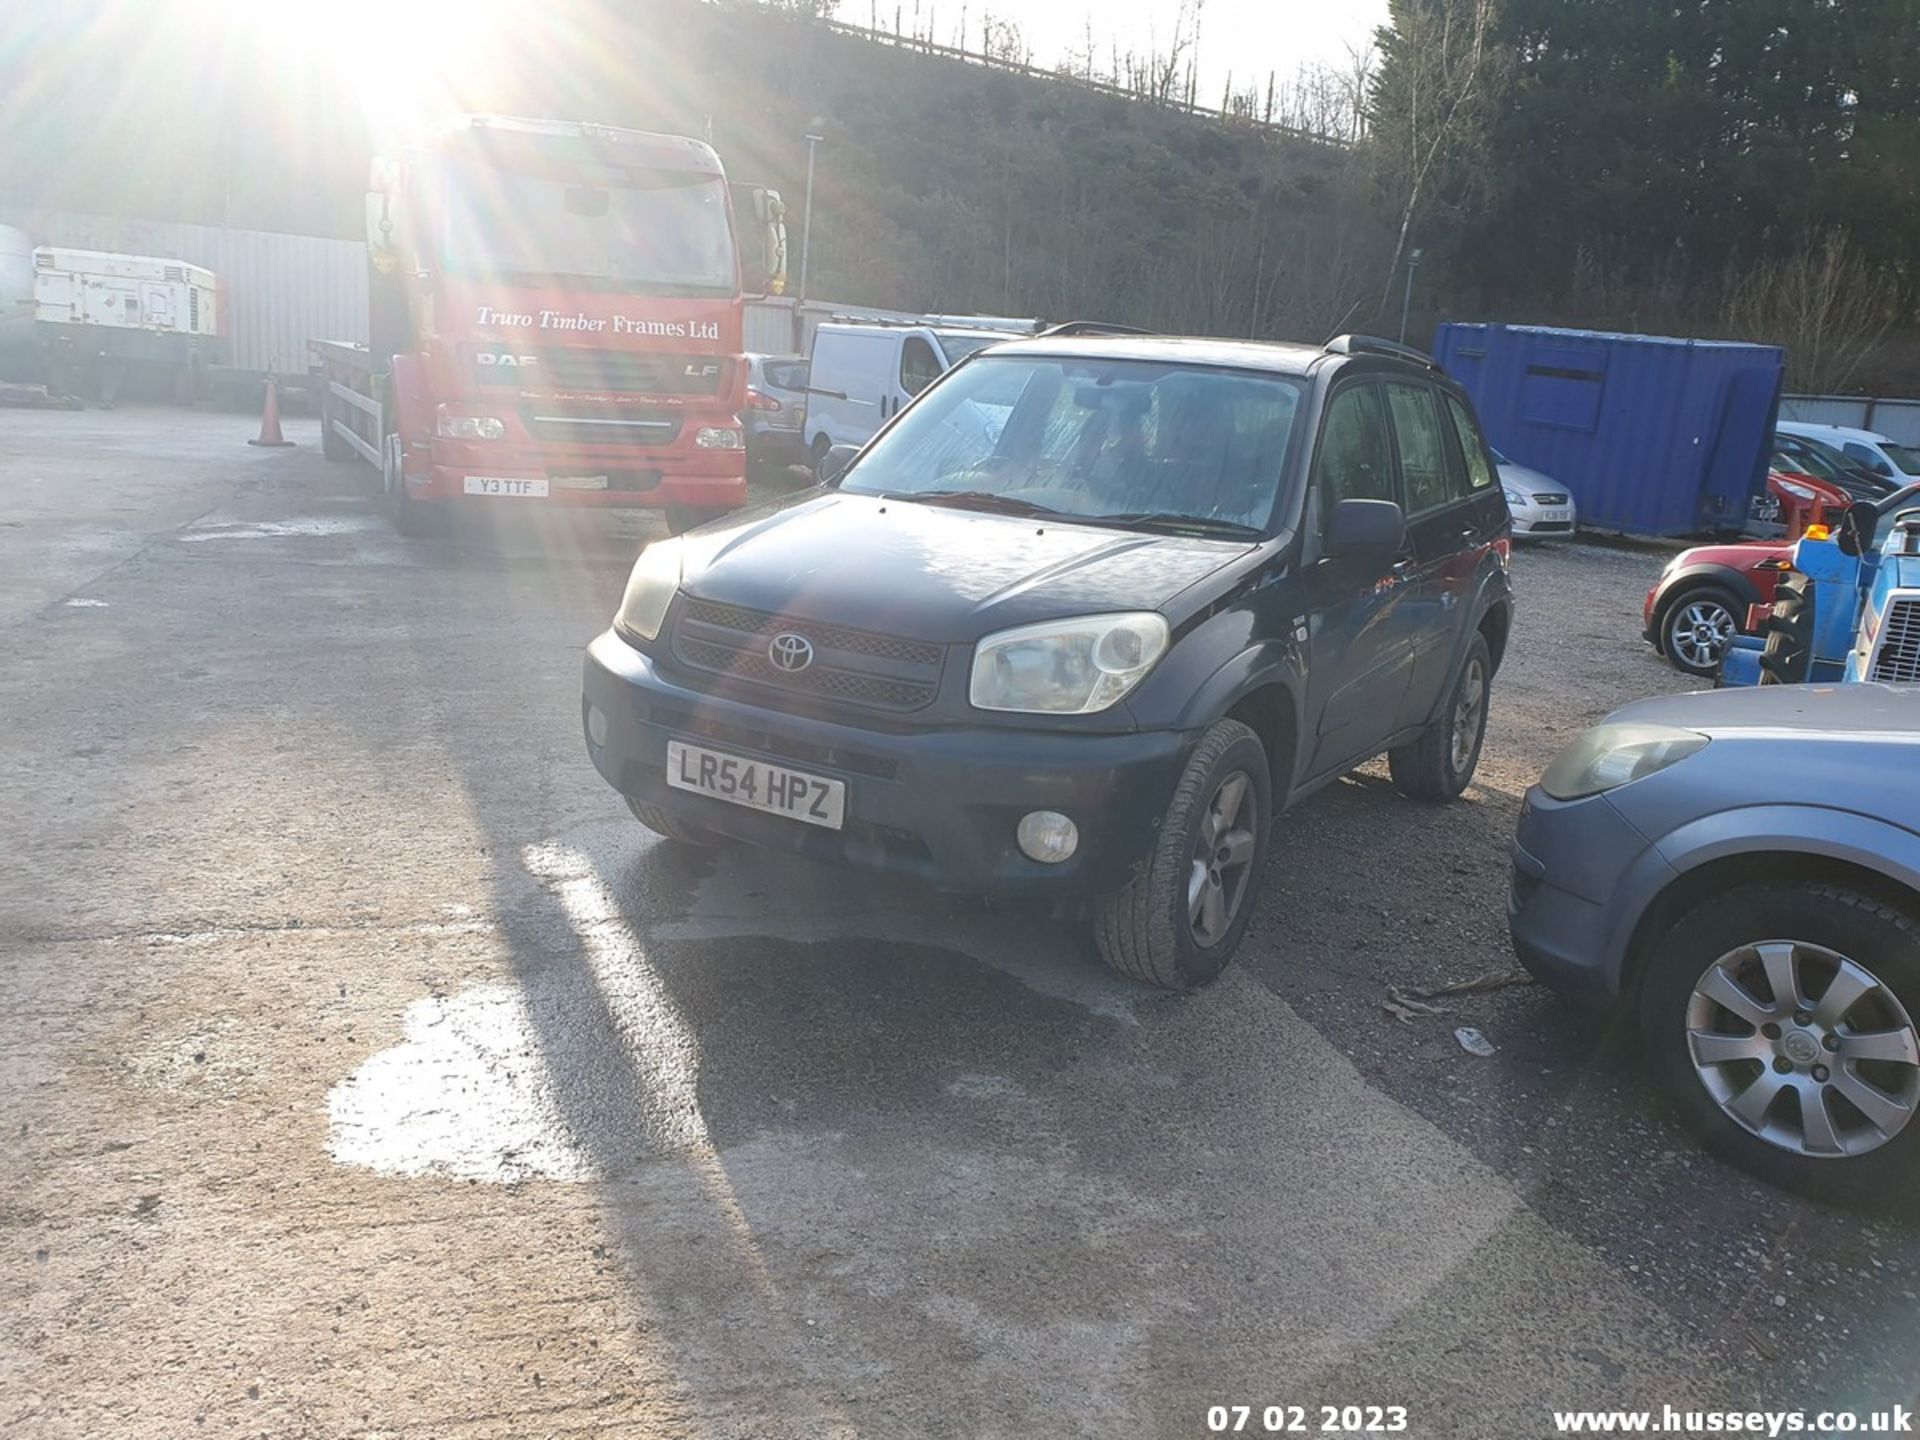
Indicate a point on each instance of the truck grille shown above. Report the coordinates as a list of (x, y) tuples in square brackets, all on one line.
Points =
[(1898, 654), (855, 667), (601, 372), (567, 424)]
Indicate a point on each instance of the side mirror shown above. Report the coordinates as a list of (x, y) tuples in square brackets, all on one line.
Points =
[(1366, 530), (1854, 535), (834, 464)]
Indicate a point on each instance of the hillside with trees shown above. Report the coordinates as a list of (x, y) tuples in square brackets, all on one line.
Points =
[(1744, 167)]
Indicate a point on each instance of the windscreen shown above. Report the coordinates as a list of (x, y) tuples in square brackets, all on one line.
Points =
[(1093, 439), (601, 225)]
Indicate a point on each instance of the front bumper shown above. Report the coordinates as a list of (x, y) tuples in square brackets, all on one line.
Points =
[(940, 805), (1538, 522), (581, 477), (1566, 911), (776, 446)]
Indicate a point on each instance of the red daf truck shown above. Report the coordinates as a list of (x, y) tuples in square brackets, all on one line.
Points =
[(556, 313)]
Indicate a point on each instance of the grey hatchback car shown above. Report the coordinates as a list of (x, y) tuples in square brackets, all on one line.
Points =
[(1739, 870)]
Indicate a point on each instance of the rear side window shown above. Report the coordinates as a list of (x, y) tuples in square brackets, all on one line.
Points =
[(1423, 449), (1353, 463), (1479, 473), (1866, 457), (787, 374)]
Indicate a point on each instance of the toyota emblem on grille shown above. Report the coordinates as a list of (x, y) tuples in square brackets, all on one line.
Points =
[(791, 653)]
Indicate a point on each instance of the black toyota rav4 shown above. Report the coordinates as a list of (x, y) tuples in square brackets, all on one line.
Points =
[(1076, 626)]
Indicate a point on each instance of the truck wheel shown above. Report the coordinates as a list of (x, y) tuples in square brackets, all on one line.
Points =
[(681, 518), (669, 828), (1789, 650), (331, 445), (1780, 1020), (409, 517), (1438, 765), (1179, 921), (1696, 629)]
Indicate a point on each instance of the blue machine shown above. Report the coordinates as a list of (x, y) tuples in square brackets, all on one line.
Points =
[(1653, 435), (1848, 611)]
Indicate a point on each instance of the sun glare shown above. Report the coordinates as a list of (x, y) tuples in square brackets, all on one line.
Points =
[(403, 62)]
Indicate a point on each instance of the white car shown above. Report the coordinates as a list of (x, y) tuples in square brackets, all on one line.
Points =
[(1540, 506), (1898, 463)]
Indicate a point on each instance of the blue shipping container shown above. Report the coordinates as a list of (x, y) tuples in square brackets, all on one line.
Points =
[(1653, 436)]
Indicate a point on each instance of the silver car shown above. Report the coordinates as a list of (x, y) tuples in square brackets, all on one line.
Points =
[(1540, 506), (1739, 872)]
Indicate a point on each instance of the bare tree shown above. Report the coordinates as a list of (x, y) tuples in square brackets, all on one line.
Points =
[(1431, 99), (1825, 304)]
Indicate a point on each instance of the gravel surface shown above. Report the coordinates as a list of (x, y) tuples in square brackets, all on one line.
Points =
[(367, 1072)]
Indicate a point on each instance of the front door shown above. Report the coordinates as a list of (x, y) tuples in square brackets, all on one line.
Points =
[(1358, 664)]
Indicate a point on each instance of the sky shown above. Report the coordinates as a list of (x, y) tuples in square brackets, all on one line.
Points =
[(1245, 37)]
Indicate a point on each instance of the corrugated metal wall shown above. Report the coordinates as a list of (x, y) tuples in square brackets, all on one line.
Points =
[(1896, 419), (281, 290), (1653, 435)]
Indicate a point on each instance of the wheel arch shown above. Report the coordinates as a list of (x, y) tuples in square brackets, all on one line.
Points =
[(1696, 577)]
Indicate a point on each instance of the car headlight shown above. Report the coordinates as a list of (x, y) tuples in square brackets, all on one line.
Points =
[(1066, 667), (650, 589), (470, 427), (1608, 756), (718, 437), (1514, 497)]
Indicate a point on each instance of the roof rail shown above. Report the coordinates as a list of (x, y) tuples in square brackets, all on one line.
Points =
[(1374, 345), (1090, 327)]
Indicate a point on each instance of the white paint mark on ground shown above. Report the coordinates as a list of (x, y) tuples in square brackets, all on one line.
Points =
[(81, 602), (301, 527)]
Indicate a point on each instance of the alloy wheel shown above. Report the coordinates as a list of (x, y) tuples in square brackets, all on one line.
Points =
[(1222, 859), (1698, 632), (1467, 705), (1805, 1048)]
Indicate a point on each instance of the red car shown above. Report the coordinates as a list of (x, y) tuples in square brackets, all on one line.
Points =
[(1701, 599)]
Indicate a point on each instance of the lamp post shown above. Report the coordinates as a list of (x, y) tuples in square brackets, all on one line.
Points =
[(814, 137), (1406, 299)]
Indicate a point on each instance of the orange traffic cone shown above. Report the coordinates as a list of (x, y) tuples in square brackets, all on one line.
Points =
[(270, 418)]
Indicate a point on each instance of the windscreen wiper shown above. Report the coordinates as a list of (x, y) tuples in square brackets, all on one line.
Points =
[(1174, 520), (977, 500)]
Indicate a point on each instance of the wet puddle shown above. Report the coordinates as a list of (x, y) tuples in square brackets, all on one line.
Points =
[(298, 527)]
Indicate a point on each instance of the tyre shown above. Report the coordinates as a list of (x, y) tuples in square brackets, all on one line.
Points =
[(408, 516), (331, 445), (682, 518), (818, 450), (1696, 628), (1178, 923), (1780, 1020), (1789, 650), (1440, 763), (669, 828)]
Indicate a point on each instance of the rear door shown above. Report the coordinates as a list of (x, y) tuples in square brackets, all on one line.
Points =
[(1454, 513), (1358, 666)]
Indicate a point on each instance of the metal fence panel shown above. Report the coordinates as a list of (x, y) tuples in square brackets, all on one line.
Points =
[(280, 290), (1897, 419)]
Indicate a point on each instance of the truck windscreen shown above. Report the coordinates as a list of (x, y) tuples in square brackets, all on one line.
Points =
[(652, 230)]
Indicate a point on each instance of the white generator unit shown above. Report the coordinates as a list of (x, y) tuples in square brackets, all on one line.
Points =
[(99, 316)]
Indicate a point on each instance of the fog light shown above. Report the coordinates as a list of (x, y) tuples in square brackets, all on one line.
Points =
[(596, 726), (1047, 836)]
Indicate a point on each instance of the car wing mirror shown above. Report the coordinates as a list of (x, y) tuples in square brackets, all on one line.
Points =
[(834, 463), (1366, 530)]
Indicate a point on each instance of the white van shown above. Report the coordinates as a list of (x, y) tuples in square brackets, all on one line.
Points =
[(862, 374), (1899, 463)]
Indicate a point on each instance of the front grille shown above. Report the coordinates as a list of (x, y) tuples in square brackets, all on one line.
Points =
[(1544, 499), (602, 372), (854, 667), (1898, 655), (566, 424)]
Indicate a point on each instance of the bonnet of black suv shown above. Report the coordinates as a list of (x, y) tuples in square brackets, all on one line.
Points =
[(934, 573)]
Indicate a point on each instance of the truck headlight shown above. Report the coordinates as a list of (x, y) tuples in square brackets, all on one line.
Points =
[(1066, 667), (650, 589), (1611, 755), (718, 437), (470, 427)]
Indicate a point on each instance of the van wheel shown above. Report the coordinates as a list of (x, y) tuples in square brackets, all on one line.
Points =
[(1439, 764), (667, 827), (821, 445), (1178, 923), (1780, 1019)]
